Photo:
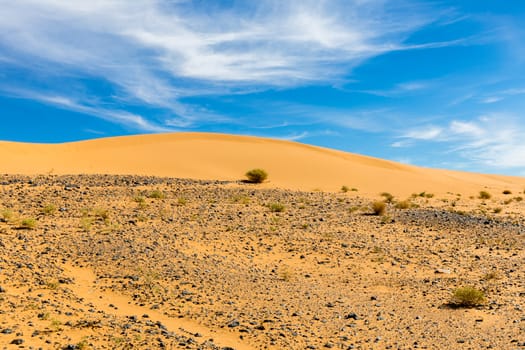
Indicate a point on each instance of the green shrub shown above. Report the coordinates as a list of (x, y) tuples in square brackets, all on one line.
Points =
[(141, 201), (157, 194), (344, 189), (256, 176), (379, 208), (468, 297), (28, 223), (404, 204), (276, 207), (49, 209), (484, 195)]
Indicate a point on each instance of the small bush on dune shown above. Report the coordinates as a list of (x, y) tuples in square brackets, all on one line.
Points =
[(379, 208), (468, 297), (345, 189), (507, 192), (484, 195), (256, 176), (388, 197)]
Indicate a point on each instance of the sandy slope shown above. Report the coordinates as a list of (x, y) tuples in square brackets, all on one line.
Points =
[(226, 157)]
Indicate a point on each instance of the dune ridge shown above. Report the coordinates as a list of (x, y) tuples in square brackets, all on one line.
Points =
[(291, 165)]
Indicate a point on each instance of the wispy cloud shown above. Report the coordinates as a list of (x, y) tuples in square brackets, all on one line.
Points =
[(158, 52), (124, 118), (494, 141)]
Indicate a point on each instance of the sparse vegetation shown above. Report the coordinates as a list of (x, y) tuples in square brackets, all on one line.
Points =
[(101, 214), (379, 208), (497, 210), (389, 198), (276, 207), (286, 274), (484, 195), (49, 209), (468, 297), (406, 204), (156, 194), (344, 189), (86, 223), (141, 202), (6, 215), (256, 176), (507, 192), (28, 223), (492, 275)]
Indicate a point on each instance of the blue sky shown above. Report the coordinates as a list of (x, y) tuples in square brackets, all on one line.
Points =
[(432, 83)]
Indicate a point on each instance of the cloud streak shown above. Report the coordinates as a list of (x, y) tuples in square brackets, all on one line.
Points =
[(495, 141), (158, 52)]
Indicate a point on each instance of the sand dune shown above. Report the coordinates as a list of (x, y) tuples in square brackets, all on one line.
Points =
[(225, 157)]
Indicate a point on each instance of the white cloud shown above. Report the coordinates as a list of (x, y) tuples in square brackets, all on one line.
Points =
[(124, 118), (496, 141), (156, 52), (426, 133)]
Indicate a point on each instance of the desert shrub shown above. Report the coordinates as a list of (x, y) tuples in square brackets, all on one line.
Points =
[(28, 223), (484, 195), (101, 213), (156, 194), (86, 223), (403, 204), (276, 207), (468, 297), (492, 275), (518, 199), (49, 209), (507, 192), (344, 189), (353, 209), (497, 210), (379, 208), (388, 197), (256, 176), (181, 201), (141, 202), (354, 189), (6, 215)]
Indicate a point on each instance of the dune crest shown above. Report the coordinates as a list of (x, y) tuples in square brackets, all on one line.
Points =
[(226, 157)]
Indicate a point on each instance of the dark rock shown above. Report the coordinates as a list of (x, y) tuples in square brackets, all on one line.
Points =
[(352, 315), (233, 324)]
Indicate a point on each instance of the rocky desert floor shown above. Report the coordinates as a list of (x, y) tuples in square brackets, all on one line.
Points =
[(127, 262)]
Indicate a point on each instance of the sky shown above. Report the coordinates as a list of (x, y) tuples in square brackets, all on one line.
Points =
[(432, 83)]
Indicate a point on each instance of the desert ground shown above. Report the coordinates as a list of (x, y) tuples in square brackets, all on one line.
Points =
[(151, 242)]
